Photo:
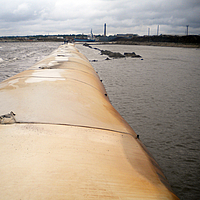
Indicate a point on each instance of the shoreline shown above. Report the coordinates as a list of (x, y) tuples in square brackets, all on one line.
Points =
[(161, 44)]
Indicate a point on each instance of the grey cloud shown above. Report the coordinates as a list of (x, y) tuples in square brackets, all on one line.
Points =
[(60, 16)]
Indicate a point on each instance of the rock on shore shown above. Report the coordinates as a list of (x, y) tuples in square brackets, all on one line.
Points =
[(114, 54)]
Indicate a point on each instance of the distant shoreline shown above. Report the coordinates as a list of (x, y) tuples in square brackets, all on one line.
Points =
[(185, 41), (160, 44)]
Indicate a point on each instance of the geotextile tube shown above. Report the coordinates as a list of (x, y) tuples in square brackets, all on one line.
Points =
[(60, 137)]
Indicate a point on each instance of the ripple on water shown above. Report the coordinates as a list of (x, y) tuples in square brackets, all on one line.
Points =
[(164, 87)]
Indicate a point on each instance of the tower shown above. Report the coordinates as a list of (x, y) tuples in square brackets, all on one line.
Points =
[(187, 29), (105, 30), (158, 30), (148, 31)]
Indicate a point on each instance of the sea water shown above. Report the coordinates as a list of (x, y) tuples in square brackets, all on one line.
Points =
[(158, 95)]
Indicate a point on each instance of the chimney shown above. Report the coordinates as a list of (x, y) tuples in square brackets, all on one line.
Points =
[(105, 30)]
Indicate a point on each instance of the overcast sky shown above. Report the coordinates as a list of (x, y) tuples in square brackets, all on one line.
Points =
[(32, 17)]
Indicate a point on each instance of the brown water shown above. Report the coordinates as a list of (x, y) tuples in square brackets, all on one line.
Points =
[(158, 96)]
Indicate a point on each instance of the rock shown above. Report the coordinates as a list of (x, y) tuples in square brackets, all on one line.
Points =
[(132, 55), (129, 54), (112, 54), (107, 58), (97, 49), (87, 45), (105, 52)]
